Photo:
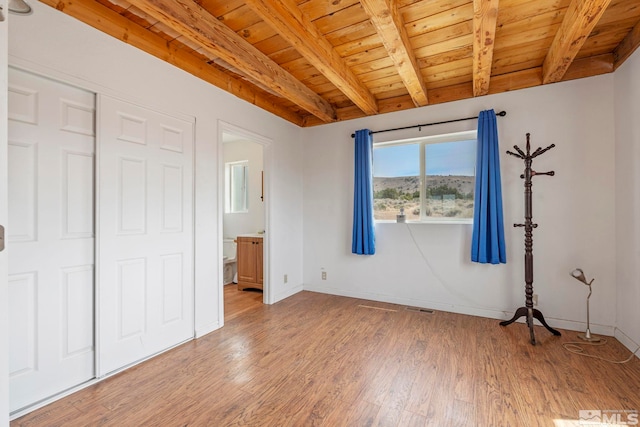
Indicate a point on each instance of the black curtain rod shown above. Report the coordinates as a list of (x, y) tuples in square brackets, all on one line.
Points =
[(501, 114)]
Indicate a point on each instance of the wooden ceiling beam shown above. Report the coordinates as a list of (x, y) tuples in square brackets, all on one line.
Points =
[(198, 25), (110, 22), (590, 66), (296, 28), (580, 19), (485, 16), (627, 46), (389, 25)]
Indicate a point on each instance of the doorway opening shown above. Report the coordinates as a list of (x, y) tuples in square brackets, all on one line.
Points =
[(243, 202)]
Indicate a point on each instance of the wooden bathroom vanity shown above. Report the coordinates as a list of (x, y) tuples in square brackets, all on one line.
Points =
[(249, 256)]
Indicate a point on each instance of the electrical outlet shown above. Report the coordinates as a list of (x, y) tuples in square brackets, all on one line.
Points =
[(535, 300), (286, 278), (324, 275)]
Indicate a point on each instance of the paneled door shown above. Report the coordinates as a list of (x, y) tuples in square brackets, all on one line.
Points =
[(50, 237), (145, 228)]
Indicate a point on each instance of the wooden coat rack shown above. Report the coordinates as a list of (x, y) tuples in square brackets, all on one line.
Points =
[(528, 310)]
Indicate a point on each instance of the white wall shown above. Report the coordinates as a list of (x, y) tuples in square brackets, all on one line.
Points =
[(574, 208), (429, 265), (4, 292), (51, 43), (627, 138), (253, 220)]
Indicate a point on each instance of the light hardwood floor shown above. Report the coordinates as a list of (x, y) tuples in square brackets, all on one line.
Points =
[(316, 359), (237, 303)]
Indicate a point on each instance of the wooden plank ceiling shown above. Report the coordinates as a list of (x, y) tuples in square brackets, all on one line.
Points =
[(319, 61)]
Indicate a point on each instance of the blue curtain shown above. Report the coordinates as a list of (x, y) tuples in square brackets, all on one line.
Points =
[(363, 241), (487, 245)]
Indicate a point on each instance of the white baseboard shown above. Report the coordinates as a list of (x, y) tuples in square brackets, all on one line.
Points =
[(203, 330), (287, 293), (627, 341), (461, 309), (492, 314)]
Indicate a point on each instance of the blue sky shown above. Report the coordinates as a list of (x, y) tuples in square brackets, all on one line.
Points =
[(448, 158)]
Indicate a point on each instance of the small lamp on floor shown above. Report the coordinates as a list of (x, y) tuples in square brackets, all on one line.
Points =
[(578, 274)]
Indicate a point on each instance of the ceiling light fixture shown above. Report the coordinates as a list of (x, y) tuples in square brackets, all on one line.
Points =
[(578, 274), (20, 7)]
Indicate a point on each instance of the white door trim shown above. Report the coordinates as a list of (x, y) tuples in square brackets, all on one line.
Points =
[(71, 80), (267, 144), (4, 287)]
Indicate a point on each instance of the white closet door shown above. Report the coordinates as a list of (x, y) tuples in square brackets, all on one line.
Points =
[(145, 229), (50, 237)]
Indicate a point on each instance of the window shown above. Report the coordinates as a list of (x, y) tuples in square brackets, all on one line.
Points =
[(432, 178), (236, 187)]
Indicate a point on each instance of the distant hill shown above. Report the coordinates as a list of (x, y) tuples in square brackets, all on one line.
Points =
[(410, 184)]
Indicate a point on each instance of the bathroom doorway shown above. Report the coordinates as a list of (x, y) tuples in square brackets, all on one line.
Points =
[(244, 211)]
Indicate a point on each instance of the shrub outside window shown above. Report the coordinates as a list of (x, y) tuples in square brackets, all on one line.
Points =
[(432, 179)]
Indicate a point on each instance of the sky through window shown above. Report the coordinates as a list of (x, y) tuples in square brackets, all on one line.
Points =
[(448, 158)]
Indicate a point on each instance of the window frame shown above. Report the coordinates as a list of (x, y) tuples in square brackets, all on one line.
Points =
[(229, 187), (423, 141)]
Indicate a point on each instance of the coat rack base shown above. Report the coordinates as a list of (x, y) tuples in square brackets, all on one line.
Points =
[(530, 314)]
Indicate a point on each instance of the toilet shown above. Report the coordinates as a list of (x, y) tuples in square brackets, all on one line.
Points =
[(229, 258)]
